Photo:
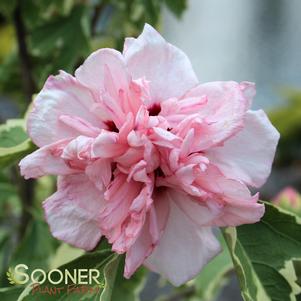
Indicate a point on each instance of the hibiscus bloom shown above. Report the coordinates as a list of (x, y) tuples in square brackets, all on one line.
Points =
[(148, 157)]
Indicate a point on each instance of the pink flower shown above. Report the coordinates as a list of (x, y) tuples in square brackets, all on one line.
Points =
[(289, 199), (148, 157)]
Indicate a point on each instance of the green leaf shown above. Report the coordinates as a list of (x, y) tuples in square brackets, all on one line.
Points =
[(214, 275), (64, 254), (9, 199), (288, 150), (95, 260), (10, 77), (12, 133), (110, 273), (65, 39), (36, 247), (124, 289), (152, 10), (176, 6), (7, 7), (14, 142), (5, 250), (263, 255), (10, 293)]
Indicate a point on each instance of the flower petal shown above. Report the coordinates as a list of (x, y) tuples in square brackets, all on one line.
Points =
[(62, 95), (149, 236), (183, 249), (201, 213), (223, 111), (248, 156), (73, 212), (231, 197), (99, 172), (106, 145), (46, 161), (119, 198), (104, 70), (166, 67), (237, 212)]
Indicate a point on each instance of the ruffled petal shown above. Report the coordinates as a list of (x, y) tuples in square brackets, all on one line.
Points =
[(119, 196), (106, 145), (183, 249), (248, 156), (232, 198), (166, 67), (73, 212), (78, 152), (104, 71), (149, 236), (46, 161), (99, 172), (63, 109), (238, 212), (223, 113)]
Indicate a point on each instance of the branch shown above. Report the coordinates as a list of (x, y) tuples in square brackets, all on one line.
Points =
[(26, 187), (28, 81), (97, 12)]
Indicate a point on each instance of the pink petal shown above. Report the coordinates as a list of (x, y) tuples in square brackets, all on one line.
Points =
[(79, 149), (231, 197), (249, 90), (184, 248), (73, 212), (127, 44), (120, 196), (149, 236), (104, 70), (80, 125), (61, 95), (133, 224), (99, 172), (139, 251), (164, 138), (248, 156), (201, 213), (166, 67), (46, 161), (238, 212), (106, 145), (175, 110), (224, 110)]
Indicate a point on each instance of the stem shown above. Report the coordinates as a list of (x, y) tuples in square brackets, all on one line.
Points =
[(97, 12), (26, 187), (27, 78)]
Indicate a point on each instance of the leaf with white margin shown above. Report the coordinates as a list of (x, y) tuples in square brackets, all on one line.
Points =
[(14, 142), (214, 275), (263, 253)]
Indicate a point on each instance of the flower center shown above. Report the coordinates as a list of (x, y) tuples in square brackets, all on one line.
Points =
[(159, 172), (154, 110), (111, 126)]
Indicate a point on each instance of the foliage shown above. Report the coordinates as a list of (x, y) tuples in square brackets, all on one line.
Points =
[(214, 276), (287, 119), (263, 255), (111, 285), (10, 293), (14, 143), (61, 33)]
